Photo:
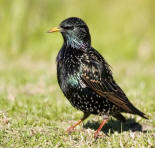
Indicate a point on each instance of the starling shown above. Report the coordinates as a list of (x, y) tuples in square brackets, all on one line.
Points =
[(85, 77)]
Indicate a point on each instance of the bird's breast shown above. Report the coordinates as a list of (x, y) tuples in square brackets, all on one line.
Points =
[(68, 73)]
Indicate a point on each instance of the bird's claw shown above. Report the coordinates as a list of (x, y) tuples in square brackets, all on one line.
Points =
[(69, 130)]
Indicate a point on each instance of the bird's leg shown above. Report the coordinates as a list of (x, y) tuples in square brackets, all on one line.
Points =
[(100, 127), (70, 129)]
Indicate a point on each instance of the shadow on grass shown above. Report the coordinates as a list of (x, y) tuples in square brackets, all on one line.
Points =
[(115, 125)]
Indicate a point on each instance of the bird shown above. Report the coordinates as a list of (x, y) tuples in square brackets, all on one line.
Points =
[(85, 77)]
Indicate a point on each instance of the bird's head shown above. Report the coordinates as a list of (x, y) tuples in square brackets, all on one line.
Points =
[(75, 32)]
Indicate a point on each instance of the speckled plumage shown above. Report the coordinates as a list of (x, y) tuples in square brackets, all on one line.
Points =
[(86, 78), (70, 71)]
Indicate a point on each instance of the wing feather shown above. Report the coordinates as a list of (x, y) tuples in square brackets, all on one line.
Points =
[(97, 75)]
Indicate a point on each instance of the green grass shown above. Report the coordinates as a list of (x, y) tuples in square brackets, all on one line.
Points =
[(33, 110)]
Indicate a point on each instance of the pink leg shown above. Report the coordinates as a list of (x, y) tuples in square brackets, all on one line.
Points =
[(100, 127), (70, 129)]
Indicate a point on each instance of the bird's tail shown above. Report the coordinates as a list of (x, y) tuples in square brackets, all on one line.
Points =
[(137, 112)]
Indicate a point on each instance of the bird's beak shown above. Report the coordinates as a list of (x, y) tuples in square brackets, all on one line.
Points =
[(55, 29)]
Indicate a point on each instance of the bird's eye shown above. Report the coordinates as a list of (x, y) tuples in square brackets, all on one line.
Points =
[(68, 27)]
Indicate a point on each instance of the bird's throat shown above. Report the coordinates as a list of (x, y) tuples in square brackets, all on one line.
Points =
[(75, 42)]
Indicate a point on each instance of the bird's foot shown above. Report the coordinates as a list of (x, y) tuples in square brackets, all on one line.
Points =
[(96, 134), (70, 130)]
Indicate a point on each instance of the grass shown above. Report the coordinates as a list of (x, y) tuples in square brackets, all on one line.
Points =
[(34, 112)]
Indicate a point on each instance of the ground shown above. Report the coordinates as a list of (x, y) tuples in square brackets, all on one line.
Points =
[(34, 112)]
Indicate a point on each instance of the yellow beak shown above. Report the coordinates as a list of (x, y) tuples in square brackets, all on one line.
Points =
[(55, 29)]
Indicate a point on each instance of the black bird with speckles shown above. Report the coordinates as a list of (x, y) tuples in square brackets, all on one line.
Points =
[(85, 77)]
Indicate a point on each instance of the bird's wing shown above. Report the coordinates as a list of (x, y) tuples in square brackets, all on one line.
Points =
[(97, 75)]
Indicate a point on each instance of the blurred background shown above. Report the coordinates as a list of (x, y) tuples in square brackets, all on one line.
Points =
[(121, 30)]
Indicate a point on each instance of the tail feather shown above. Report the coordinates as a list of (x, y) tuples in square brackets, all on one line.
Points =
[(137, 112)]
